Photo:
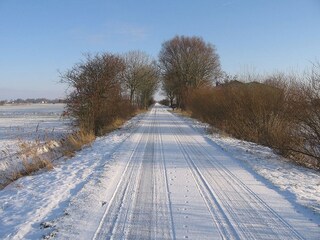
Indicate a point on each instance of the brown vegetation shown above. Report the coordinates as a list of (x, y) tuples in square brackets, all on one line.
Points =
[(282, 112), (101, 99), (75, 142), (33, 156), (108, 87), (96, 99)]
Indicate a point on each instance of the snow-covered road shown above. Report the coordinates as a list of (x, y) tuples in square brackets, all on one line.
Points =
[(177, 185), (167, 181)]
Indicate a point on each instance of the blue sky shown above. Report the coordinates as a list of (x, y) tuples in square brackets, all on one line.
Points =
[(40, 37)]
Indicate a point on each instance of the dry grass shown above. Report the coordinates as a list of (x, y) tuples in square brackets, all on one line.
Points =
[(116, 124), (36, 155), (32, 155), (75, 142), (139, 111), (119, 121)]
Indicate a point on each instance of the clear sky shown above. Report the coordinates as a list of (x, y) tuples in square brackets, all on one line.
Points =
[(40, 37)]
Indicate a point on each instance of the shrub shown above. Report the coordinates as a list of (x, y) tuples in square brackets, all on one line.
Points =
[(279, 113), (97, 98)]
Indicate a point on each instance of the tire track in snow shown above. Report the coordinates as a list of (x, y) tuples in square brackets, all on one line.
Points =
[(164, 171), (225, 228), (231, 202), (109, 220), (174, 187), (142, 218), (138, 209), (277, 224)]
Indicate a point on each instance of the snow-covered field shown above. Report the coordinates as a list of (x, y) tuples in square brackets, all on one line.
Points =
[(161, 176), (28, 122)]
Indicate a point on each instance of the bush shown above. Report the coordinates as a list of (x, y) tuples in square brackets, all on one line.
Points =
[(247, 111), (277, 113), (97, 98), (304, 106)]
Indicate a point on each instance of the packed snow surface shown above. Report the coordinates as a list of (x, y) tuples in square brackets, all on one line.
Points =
[(158, 177)]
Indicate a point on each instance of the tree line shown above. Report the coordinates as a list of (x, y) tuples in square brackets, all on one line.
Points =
[(278, 110), (107, 87), (31, 100)]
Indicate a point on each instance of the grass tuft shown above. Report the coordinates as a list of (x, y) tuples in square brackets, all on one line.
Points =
[(75, 142)]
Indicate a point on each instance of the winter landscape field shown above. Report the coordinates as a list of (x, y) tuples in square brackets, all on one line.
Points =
[(159, 120), (162, 176), (28, 123)]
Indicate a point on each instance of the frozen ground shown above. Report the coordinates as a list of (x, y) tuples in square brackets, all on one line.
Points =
[(156, 178), (26, 122)]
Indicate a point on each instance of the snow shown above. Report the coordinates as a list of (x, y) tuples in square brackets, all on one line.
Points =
[(297, 182), (161, 176), (33, 200), (27, 122)]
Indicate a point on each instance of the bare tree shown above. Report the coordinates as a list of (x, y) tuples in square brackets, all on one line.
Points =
[(139, 68), (169, 88), (307, 114), (187, 63), (148, 84)]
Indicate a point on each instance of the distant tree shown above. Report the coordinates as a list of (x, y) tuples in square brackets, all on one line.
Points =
[(140, 77), (96, 98), (148, 84), (164, 102), (187, 63), (170, 87)]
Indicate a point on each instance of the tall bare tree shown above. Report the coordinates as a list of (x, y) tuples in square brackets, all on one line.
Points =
[(187, 63), (148, 84), (140, 71)]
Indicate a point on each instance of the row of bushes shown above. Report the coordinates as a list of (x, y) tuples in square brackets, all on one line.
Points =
[(104, 91), (99, 95), (282, 112)]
